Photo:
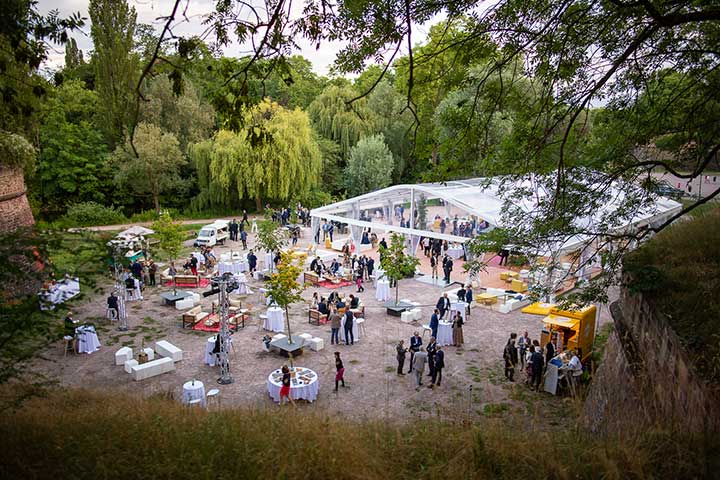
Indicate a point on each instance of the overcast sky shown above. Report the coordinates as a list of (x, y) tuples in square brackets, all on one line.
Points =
[(149, 10)]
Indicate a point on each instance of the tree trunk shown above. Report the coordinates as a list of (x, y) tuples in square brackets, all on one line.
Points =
[(156, 200), (397, 292), (287, 321), (258, 203)]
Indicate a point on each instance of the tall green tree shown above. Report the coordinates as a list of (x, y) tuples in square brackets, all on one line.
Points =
[(156, 168), (275, 156), (369, 166), (72, 165), (397, 263), (116, 67)]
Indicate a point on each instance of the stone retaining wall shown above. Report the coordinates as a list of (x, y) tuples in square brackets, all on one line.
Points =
[(15, 209)]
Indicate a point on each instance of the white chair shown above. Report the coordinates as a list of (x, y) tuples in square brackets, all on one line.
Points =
[(214, 396), (68, 343), (426, 329), (196, 402)]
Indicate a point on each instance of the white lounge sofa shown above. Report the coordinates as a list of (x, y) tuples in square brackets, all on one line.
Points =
[(150, 369)]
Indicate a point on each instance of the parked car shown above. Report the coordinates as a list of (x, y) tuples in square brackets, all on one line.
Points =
[(212, 234), (666, 190)]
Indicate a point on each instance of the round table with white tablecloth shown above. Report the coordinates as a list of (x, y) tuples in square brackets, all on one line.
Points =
[(356, 336), (305, 385), (228, 267), (458, 307), (275, 321), (383, 290), (444, 334), (193, 390), (455, 252), (87, 339)]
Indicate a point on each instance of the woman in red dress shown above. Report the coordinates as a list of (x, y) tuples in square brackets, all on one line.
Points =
[(285, 389), (340, 375)]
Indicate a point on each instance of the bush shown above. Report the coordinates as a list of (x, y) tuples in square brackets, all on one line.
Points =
[(87, 214)]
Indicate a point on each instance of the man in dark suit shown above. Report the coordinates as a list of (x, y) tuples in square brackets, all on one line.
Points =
[(439, 365), (252, 261), (322, 306), (349, 337), (443, 305), (537, 368), (461, 294), (431, 351), (415, 344), (447, 268), (434, 322), (468, 297)]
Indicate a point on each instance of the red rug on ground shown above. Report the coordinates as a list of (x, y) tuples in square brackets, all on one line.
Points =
[(204, 282), (328, 284), (201, 327)]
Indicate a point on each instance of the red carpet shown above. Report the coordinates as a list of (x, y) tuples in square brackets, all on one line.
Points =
[(343, 283), (204, 282), (201, 327)]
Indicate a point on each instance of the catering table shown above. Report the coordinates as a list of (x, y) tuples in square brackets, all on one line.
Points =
[(60, 292), (87, 339), (275, 321), (232, 267), (458, 307), (356, 337), (193, 390), (383, 290), (300, 388), (456, 252), (444, 334)]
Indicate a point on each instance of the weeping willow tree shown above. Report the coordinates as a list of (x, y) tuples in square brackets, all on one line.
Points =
[(275, 156), (337, 120)]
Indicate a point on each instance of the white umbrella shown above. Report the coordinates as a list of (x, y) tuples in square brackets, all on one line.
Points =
[(136, 231)]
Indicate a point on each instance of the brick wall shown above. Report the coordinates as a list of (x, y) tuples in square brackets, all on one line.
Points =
[(15, 210), (645, 378)]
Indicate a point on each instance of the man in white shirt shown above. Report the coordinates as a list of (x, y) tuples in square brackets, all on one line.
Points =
[(575, 368)]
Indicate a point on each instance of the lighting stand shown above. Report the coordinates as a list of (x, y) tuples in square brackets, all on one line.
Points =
[(223, 285)]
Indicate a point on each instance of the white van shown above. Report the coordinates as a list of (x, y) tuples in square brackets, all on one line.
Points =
[(210, 235)]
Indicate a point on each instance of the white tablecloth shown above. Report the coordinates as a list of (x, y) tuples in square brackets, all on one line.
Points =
[(268, 260), (62, 291), (210, 357), (242, 284), (444, 334), (234, 267), (200, 258), (307, 392), (383, 290), (193, 391), (458, 307), (456, 252), (275, 321), (356, 336), (87, 340)]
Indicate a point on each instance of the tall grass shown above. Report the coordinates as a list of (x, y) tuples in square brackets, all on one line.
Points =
[(82, 434)]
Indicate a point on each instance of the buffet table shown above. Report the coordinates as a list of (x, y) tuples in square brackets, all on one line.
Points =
[(304, 386)]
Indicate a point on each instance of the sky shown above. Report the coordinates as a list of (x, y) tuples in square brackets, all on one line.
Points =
[(148, 12)]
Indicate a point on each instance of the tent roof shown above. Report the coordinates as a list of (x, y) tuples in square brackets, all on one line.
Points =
[(135, 231), (484, 198)]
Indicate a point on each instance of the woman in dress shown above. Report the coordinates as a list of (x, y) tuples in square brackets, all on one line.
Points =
[(285, 389), (340, 375), (457, 330), (314, 301)]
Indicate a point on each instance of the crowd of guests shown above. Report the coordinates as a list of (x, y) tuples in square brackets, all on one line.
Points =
[(461, 228), (433, 355), (335, 307), (532, 359), (361, 268)]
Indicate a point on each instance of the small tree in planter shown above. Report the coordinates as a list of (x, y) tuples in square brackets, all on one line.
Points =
[(283, 287), (271, 237), (396, 263), (170, 236)]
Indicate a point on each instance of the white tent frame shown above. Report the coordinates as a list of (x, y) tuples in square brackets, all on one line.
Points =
[(481, 189)]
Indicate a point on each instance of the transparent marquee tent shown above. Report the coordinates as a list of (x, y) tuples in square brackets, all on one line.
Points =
[(476, 203)]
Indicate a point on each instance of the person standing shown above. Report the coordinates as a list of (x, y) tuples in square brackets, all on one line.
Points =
[(295, 236), (401, 351), (112, 304), (447, 268), (537, 369), (349, 319), (523, 345), (359, 280), (510, 357), (468, 297), (457, 330), (443, 305), (152, 271), (415, 344), (285, 389), (339, 371), (418, 365), (245, 218), (549, 352), (439, 365), (243, 239), (431, 350), (461, 294), (434, 323), (434, 266), (335, 327), (252, 262)]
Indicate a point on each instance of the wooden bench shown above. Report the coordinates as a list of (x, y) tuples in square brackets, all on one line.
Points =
[(193, 316), (188, 279), (316, 318), (312, 278)]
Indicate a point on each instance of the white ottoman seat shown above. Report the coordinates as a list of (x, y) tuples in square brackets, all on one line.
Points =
[(185, 303), (168, 350), (316, 344), (416, 313), (407, 317), (150, 369), (129, 364), (306, 337), (195, 297), (150, 353), (123, 355)]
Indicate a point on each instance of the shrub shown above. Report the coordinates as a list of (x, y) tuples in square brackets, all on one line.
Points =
[(87, 214)]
